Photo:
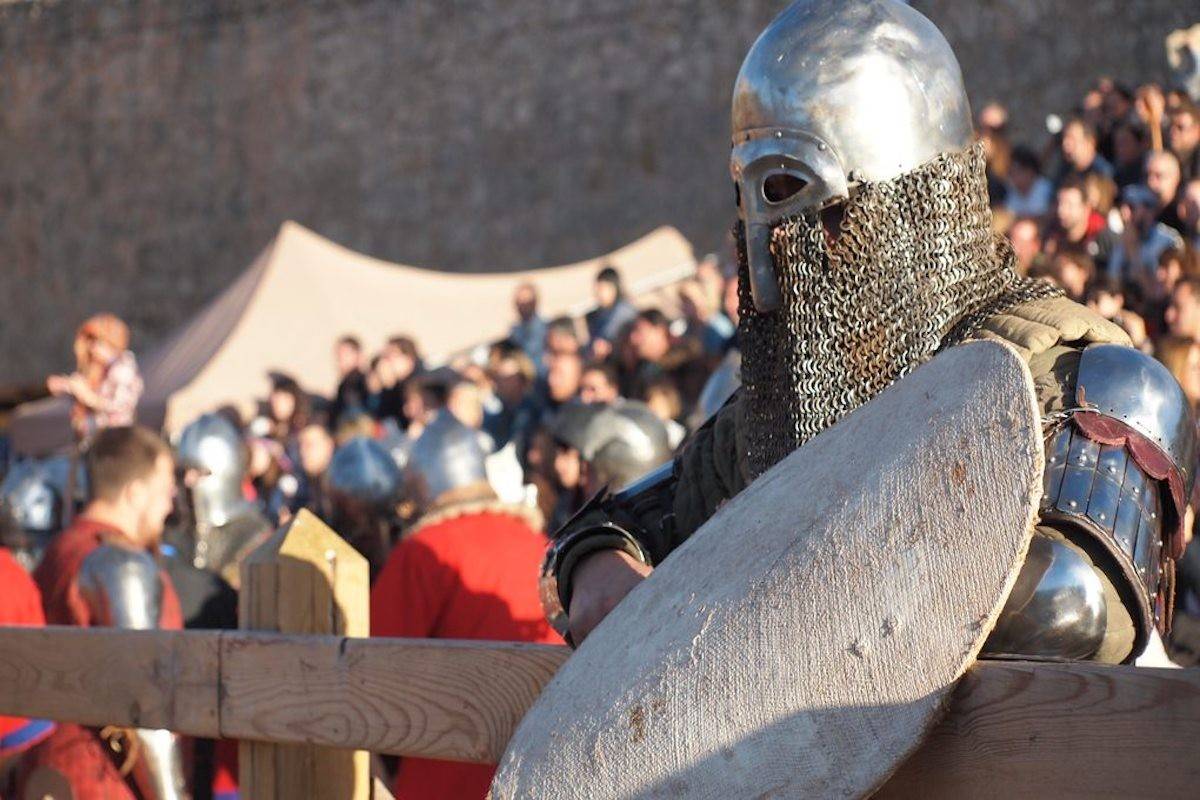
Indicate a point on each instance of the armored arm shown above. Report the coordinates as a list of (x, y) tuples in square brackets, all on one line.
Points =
[(1120, 462), (653, 515), (122, 589), (636, 521)]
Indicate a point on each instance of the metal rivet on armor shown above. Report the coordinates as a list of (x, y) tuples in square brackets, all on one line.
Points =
[(778, 134), (1153, 515), (1073, 504), (821, 146), (1053, 459), (1102, 517), (1111, 468)]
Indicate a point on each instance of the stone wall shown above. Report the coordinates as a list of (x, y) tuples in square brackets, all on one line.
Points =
[(150, 148)]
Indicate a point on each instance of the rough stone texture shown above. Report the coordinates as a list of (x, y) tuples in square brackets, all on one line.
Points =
[(152, 147)]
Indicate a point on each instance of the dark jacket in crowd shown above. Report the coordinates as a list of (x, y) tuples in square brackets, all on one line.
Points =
[(606, 323), (351, 397)]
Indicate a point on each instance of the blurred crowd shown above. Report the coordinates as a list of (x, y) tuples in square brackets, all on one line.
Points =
[(448, 478), (1107, 205)]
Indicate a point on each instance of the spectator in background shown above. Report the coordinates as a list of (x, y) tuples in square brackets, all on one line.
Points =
[(351, 396), (562, 337), (729, 301), (106, 385), (464, 400), (705, 323), (992, 128), (529, 331), (1173, 265), (305, 487), (612, 312), (1162, 178), (1183, 312), (663, 399), (265, 467), (562, 380), (566, 429), (1183, 138), (1101, 196), (1079, 151), (658, 355), (1026, 241), (422, 399), (1181, 356), (1106, 297), (1028, 193), (514, 410), (1129, 141), (599, 383), (1077, 226), (1073, 271), (1189, 213), (398, 363), (289, 410), (1143, 240), (1117, 106), (712, 280)]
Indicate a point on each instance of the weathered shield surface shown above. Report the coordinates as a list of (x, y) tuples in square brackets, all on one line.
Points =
[(803, 641)]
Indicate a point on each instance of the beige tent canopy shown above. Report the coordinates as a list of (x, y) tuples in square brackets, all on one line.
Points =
[(285, 311)]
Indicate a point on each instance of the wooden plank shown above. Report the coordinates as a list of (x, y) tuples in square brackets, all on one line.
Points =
[(429, 698), (806, 638), (99, 676), (1051, 731), (305, 579), (1013, 729)]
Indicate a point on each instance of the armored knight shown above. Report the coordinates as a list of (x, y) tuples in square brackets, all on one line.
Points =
[(865, 248), (226, 526)]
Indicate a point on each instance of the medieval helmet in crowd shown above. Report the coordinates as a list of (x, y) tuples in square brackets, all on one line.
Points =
[(620, 442), (32, 504), (363, 487), (865, 238), (212, 445), (364, 470), (447, 456)]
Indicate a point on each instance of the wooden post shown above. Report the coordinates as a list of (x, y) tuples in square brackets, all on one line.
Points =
[(305, 579)]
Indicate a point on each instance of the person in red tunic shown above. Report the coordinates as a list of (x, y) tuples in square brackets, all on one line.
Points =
[(20, 604), (103, 571), (467, 569)]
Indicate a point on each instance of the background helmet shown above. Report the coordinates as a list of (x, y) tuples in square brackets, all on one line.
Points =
[(447, 455), (213, 445), (364, 470), (620, 442)]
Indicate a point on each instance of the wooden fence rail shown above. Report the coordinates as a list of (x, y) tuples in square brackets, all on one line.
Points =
[(1013, 729)]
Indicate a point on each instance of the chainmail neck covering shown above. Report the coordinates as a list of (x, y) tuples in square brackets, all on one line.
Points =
[(916, 268)]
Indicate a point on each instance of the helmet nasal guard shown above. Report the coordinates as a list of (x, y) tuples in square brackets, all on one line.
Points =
[(832, 95)]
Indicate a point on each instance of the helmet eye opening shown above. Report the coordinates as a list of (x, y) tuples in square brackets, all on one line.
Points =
[(780, 187)]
